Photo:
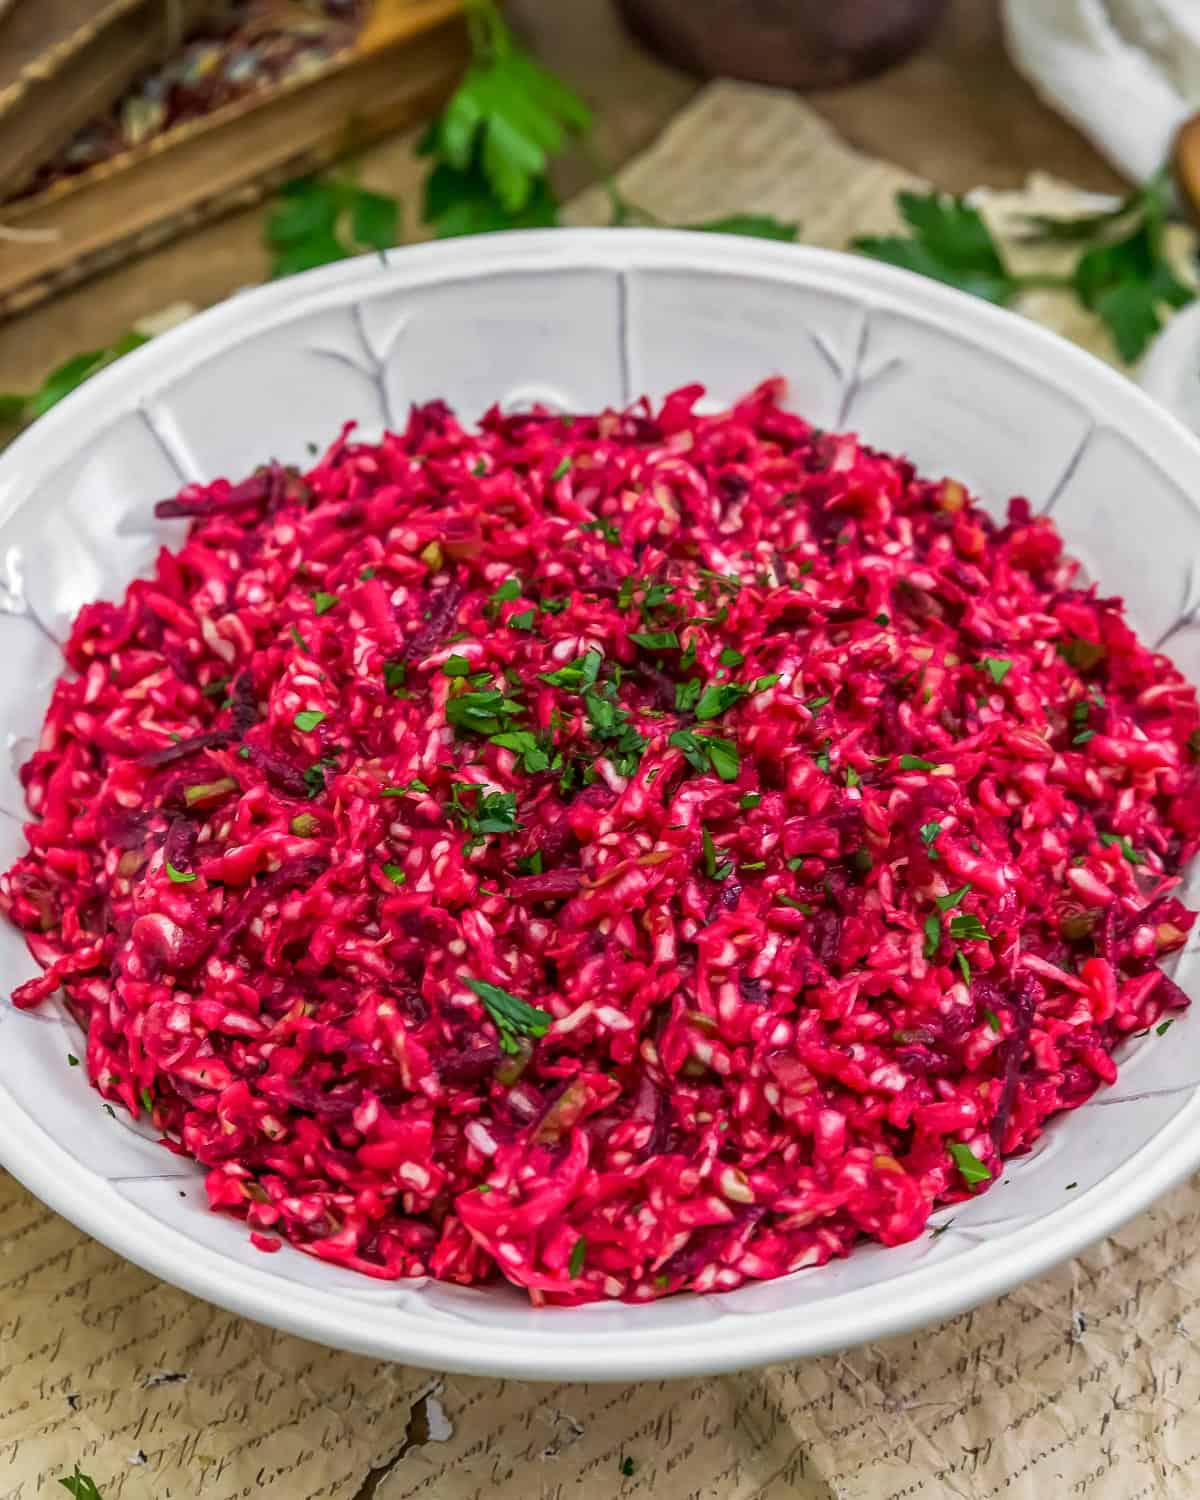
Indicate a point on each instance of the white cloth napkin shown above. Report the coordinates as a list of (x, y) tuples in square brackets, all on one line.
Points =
[(1126, 72)]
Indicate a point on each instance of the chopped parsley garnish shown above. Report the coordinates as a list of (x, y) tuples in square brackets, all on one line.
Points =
[(758, 864), (915, 763), (179, 877), (530, 864), (964, 967), (731, 658), (314, 779), (1083, 737), (997, 668), (687, 694), (523, 621), (394, 674), (968, 926), (821, 759), (479, 468), (487, 711), (655, 640), (930, 831), (513, 1016), (215, 689), (147, 1101), (627, 1467), (710, 854), (82, 1486), (815, 703), (606, 529), (972, 1169), (852, 777), (72, 1060), (609, 721), (1119, 841), (578, 1256), (561, 469), (705, 752), (1163, 1027), (749, 800), (395, 873), (367, 574), (308, 719), (522, 742), (299, 639), (494, 812), (577, 675), (801, 906), (992, 1019), (945, 903), (933, 935), (717, 697), (323, 602), (456, 666), (761, 684)]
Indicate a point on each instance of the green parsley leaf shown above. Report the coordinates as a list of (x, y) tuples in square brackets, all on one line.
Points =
[(997, 668), (512, 1016), (950, 243), (147, 1101), (655, 640), (928, 832), (1119, 841), (706, 752), (627, 1467), (308, 719), (317, 220), (394, 675), (749, 800), (731, 658), (757, 864), (367, 574), (508, 590), (402, 791), (992, 1019), (179, 877), (967, 926), (717, 697), (64, 379), (299, 639), (458, 203), (314, 779), (487, 711), (1163, 1027), (525, 744), (395, 873), (852, 777), (82, 1486), (456, 666), (687, 694), (972, 1169), (945, 903), (323, 602), (1083, 737), (578, 1256), (523, 621), (761, 684), (791, 901), (604, 528), (578, 675), (933, 935), (561, 469), (964, 966), (72, 1060), (710, 853), (815, 703), (915, 763)]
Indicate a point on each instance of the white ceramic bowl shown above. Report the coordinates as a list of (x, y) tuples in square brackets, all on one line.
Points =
[(583, 319)]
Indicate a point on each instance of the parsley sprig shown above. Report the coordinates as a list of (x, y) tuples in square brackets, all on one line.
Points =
[(513, 1016), (1124, 276)]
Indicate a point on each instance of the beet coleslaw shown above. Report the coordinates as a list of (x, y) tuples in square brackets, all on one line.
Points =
[(624, 853)]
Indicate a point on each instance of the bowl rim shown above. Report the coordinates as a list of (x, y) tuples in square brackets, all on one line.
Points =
[(733, 1340)]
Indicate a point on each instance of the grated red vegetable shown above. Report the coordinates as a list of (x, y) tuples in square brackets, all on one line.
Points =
[(626, 853)]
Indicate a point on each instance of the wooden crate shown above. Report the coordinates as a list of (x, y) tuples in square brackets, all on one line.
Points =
[(399, 69)]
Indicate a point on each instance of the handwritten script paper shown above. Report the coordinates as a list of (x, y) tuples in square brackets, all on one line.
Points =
[(1081, 1383)]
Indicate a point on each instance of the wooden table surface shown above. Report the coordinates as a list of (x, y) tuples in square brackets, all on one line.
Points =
[(957, 113)]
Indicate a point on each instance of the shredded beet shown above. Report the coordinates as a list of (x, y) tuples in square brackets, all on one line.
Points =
[(627, 853)]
